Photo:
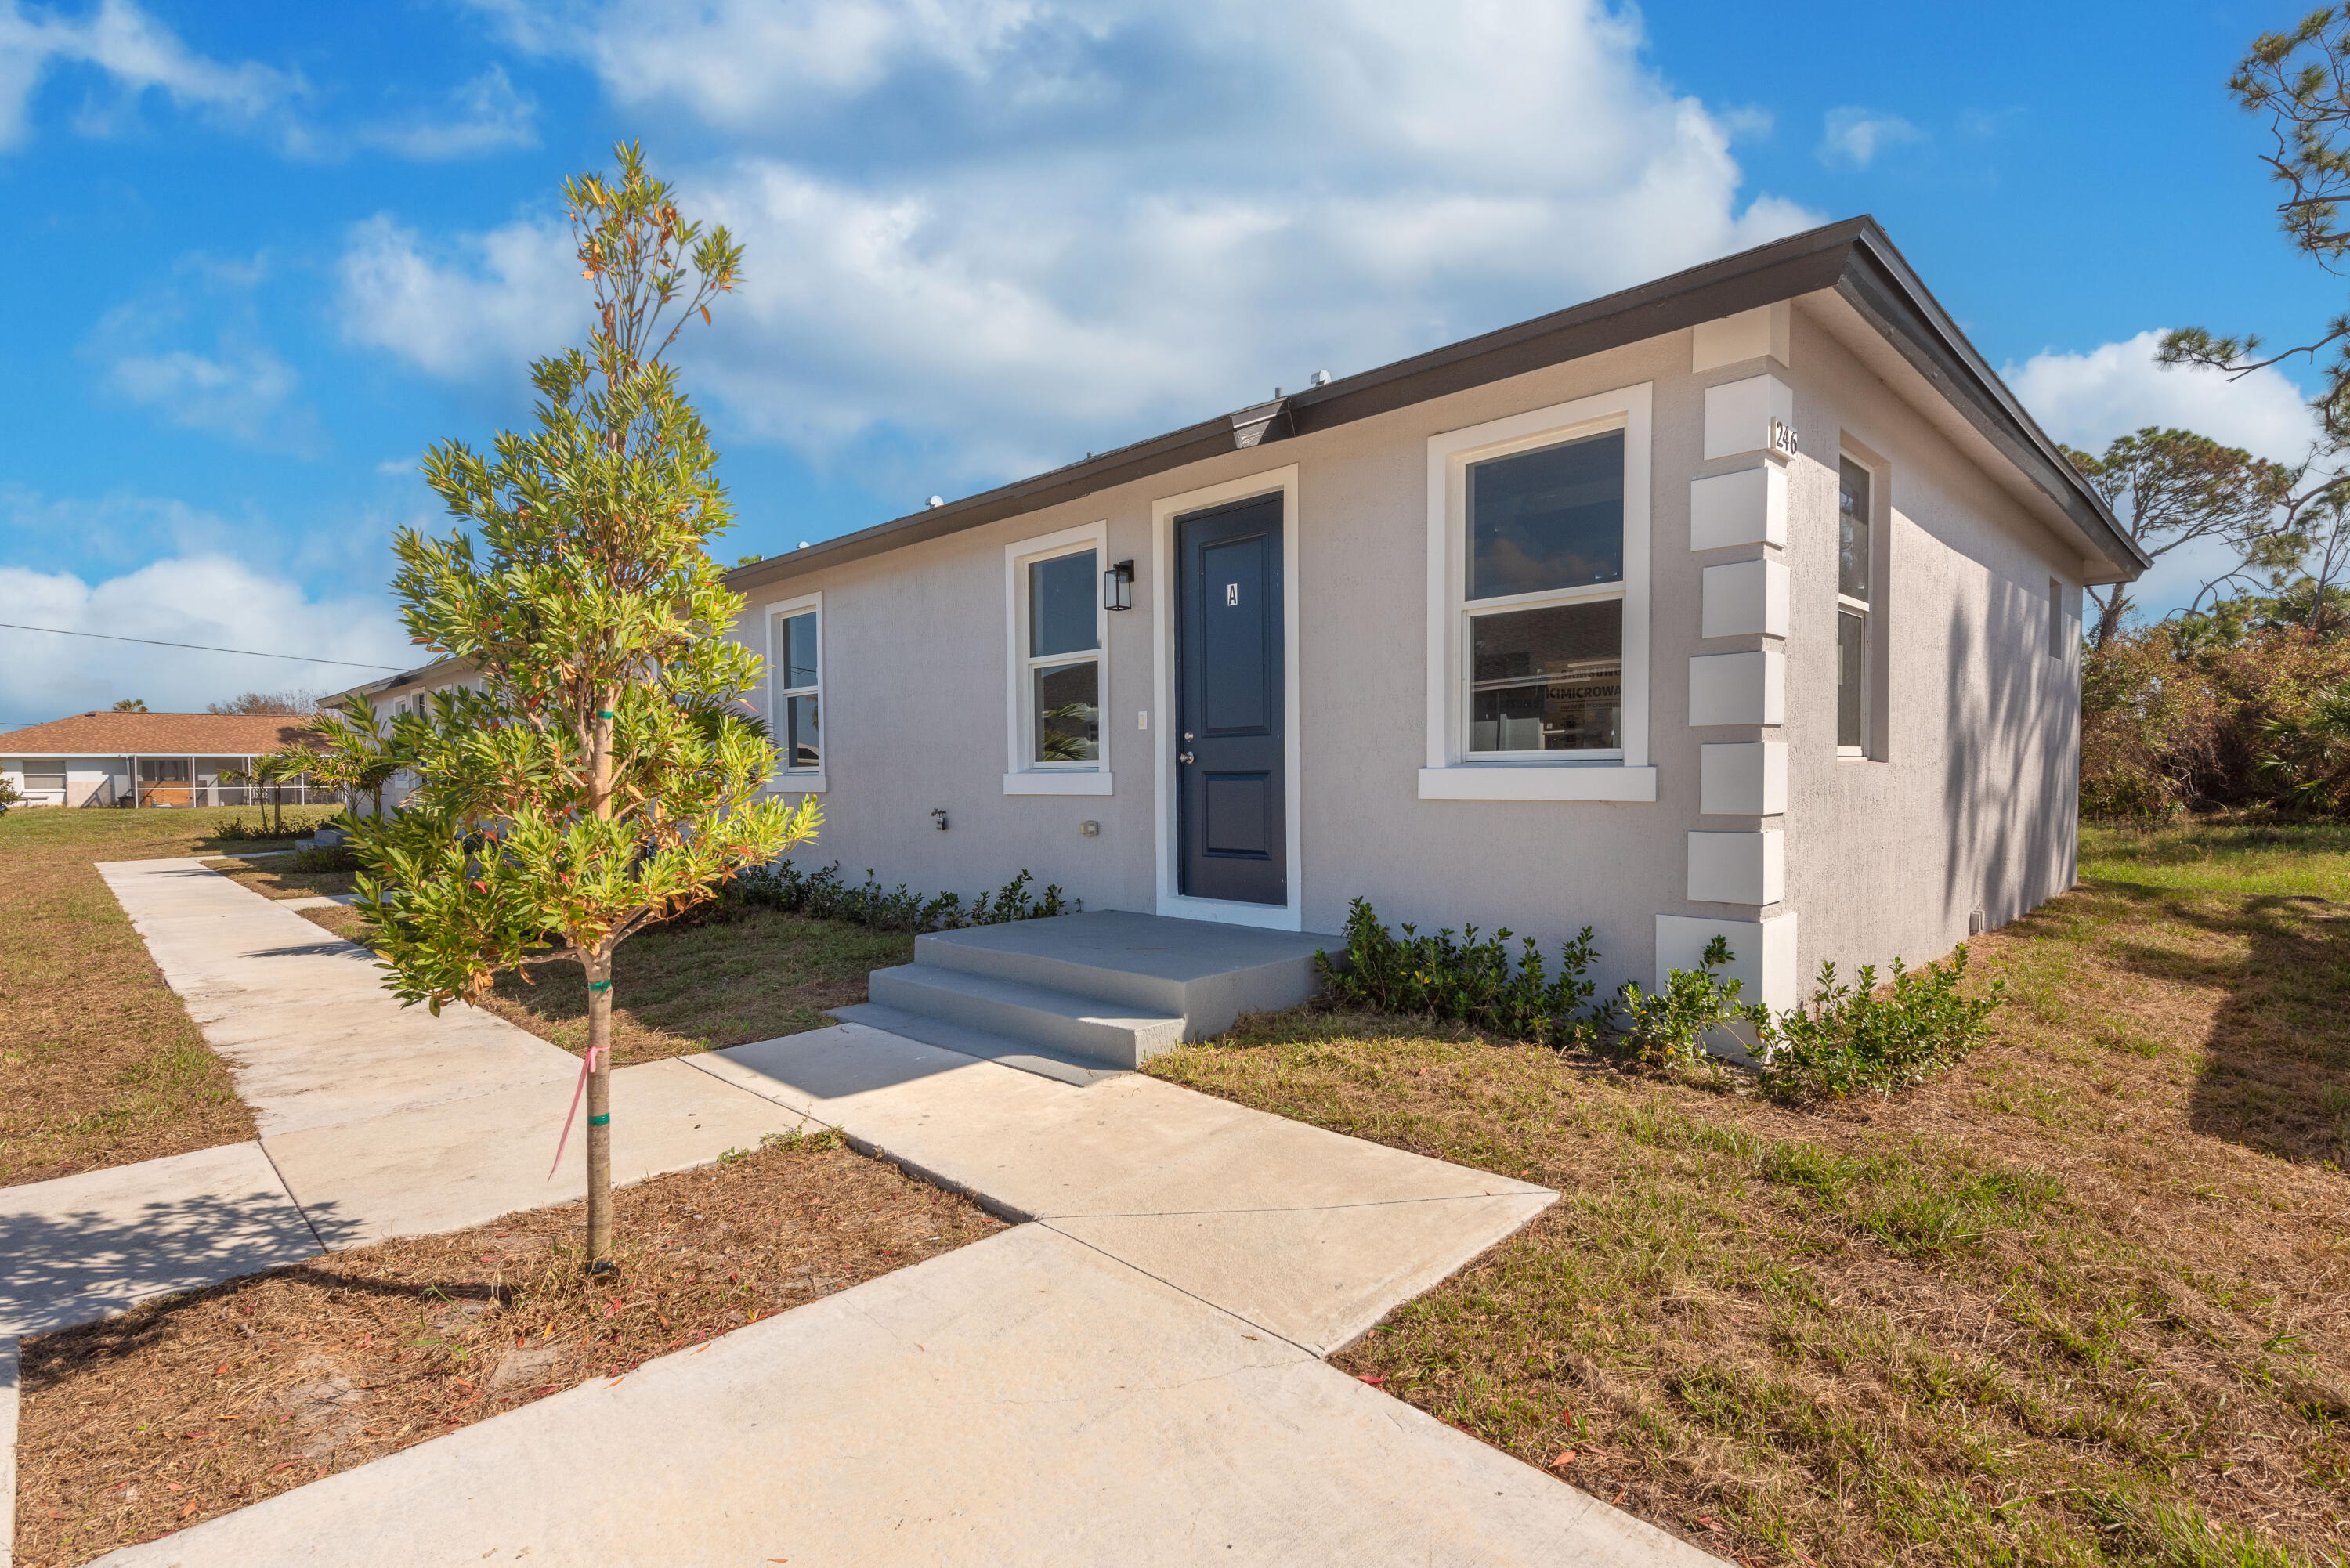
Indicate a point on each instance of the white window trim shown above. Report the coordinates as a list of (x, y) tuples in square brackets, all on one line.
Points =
[(1880, 528), (1289, 917), (790, 780), (1021, 774), (1452, 772)]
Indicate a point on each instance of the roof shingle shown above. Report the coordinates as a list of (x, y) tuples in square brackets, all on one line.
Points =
[(158, 734)]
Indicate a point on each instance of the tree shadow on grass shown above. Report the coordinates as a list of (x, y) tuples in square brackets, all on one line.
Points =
[(128, 1332), (2275, 1074)]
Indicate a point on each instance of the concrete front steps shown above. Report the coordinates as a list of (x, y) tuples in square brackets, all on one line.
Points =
[(1084, 997)]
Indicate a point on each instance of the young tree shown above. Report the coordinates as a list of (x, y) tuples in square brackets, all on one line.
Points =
[(354, 754), (2172, 487), (275, 770), (604, 777), (2301, 80)]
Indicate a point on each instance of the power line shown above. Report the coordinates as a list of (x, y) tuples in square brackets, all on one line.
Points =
[(199, 646)]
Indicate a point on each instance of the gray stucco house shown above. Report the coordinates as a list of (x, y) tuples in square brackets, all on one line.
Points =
[(1744, 602)]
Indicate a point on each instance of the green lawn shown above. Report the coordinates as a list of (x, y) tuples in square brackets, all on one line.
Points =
[(699, 986), (2081, 1301)]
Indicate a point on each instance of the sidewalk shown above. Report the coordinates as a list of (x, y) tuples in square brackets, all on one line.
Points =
[(376, 1120), (1136, 1375)]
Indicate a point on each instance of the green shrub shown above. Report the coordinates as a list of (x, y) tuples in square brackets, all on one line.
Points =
[(238, 831), (1670, 1027), (825, 895), (1850, 1040), (1464, 981), (2215, 710), (323, 857)]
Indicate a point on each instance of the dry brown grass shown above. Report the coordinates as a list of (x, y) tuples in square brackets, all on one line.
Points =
[(272, 879), (100, 1064), (703, 986), (191, 1408), (2085, 1299)]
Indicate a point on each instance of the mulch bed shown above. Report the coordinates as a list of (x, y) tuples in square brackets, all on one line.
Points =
[(206, 1403)]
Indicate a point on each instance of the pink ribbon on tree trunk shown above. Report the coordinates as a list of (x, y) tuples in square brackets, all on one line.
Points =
[(586, 1065)]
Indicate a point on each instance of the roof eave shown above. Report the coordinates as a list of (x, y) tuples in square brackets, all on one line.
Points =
[(1855, 259)]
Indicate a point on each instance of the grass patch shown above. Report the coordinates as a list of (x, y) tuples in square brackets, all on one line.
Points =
[(2079, 1300), (100, 1064), (191, 1408), (272, 879), (738, 976)]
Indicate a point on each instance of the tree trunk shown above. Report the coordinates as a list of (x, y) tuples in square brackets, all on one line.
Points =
[(599, 1025), (600, 1110), (2109, 615)]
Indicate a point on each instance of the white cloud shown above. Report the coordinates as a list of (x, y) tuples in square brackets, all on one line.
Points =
[(484, 115), (1853, 136), (203, 598), (2086, 400), (234, 391), (137, 55), (1096, 223), (229, 381), (476, 306), (746, 63)]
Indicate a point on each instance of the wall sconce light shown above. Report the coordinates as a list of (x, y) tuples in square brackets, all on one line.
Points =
[(1117, 586), (939, 818)]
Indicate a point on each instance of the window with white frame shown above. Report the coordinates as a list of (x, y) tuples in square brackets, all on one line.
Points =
[(1543, 600), (1538, 546), (1057, 634), (1854, 519), (796, 678)]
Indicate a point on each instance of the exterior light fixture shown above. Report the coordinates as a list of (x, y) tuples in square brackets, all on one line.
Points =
[(1117, 586)]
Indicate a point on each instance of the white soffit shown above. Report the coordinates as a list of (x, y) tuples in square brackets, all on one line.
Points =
[(1835, 315)]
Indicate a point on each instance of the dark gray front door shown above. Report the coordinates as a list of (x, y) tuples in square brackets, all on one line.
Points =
[(1231, 799)]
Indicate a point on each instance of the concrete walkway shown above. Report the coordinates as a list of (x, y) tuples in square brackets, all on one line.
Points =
[(376, 1120), (1136, 1375), (1305, 1234), (301, 1015)]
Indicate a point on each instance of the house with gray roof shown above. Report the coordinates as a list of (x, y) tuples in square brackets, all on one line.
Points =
[(1743, 603)]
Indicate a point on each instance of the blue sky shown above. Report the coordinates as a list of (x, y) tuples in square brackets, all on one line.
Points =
[(260, 257)]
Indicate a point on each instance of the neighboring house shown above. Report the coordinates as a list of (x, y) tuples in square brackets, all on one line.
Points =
[(1746, 602), (150, 759)]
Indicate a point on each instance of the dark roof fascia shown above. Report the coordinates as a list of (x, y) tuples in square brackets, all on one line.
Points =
[(1879, 284), (1853, 257), (389, 683)]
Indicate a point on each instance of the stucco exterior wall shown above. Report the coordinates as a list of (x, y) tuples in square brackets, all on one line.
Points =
[(1880, 857), (1970, 800)]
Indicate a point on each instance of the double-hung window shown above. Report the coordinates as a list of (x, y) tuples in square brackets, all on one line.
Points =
[(1538, 605), (1853, 629), (1054, 593), (1543, 601), (796, 680)]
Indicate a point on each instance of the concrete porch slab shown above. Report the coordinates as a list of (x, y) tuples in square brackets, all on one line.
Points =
[(1312, 1235), (1206, 972), (81, 1247), (937, 1415), (465, 1162)]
